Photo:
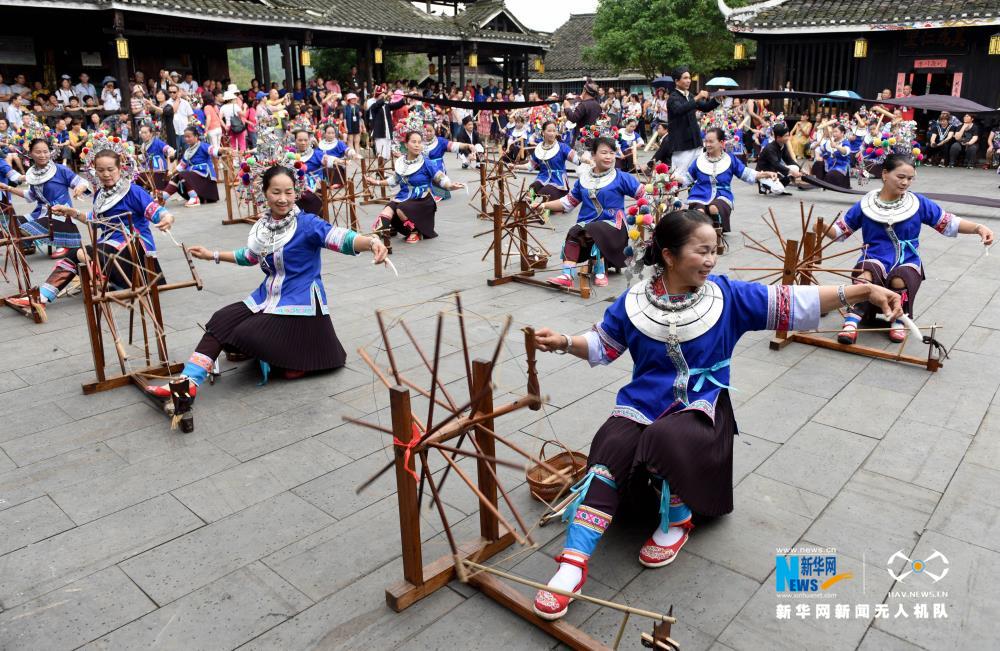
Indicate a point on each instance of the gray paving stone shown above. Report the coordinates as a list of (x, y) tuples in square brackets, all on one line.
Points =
[(194, 560), (775, 414), (15, 427), (864, 410), (818, 458), (5, 462), (985, 448), (51, 442), (355, 616), (138, 482), (223, 615), (748, 453), (28, 482), (750, 376), (10, 380), (766, 515), (918, 453), (901, 378), (872, 514), (969, 591), (966, 511), (71, 616), (284, 429), (335, 492), (959, 401), (876, 640), (30, 522), (233, 489), (62, 559), (823, 373)]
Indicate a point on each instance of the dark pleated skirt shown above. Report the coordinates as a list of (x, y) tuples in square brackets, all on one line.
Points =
[(64, 233), (725, 210), (297, 343), (158, 180), (419, 211), (206, 189), (550, 192), (610, 240), (839, 179), (911, 277)]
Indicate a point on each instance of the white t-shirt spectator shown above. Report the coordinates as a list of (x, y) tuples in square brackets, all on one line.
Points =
[(112, 99), (18, 89), (83, 90), (63, 96), (189, 86), (182, 111), (4, 92), (227, 112)]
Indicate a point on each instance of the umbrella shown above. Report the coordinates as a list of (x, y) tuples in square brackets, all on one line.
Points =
[(722, 82), (663, 82), (933, 102), (846, 94)]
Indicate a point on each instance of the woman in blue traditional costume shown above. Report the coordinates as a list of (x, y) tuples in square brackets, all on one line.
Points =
[(316, 161), (411, 212), (600, 231), (120, 209), (629, 142), (516, 138), (153, 160), (435, 147), (835, 152), (549, 157), (673, 423), (196, 178), (285, 323), (890, 220), (711, 176)]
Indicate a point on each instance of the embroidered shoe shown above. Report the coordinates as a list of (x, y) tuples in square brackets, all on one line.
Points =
[(848, 335), (562, 280), (59, 252), (413, 238), (653, 555), (192, 202), (897, 333), (601, 280), (162, 391), (21, 301), (550, 606)]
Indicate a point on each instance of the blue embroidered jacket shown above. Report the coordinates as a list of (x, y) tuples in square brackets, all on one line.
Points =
[(139, 208), (553, 171), (55, 191), (611, 197)]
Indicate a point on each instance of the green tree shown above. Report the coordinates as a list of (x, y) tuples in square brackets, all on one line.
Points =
[(654, 36)]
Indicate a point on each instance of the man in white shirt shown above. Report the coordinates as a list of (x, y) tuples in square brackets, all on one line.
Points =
[(14, 115), (182, 111), (18, 87), (5, 95), (189, 84), (84, 88)]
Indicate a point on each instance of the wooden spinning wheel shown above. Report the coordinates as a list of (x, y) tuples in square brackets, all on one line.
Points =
[(238, 209), (381, 169), (473, 419), (16, 264), (139, 301), (801, 259), (340, 204)]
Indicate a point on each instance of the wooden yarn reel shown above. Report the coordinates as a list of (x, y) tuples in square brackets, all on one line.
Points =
[(15, 262), (801, 260), (141, 300), (238, 211), (340, 204), (381, 169), (414, 439)]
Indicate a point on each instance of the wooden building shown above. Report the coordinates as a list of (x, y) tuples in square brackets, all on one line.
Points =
[(46, 38), (941, 46)]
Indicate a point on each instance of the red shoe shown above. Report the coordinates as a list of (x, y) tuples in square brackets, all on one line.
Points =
[(59, 252), (897, 333), (601, 280), (653, 555), (562, 280), (22, 302), (413, 238), (550, 606), (162, 391), (848, 335)]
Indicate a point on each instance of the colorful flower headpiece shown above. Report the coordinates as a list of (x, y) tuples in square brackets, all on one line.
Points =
[(100, 141), (601, 129), (642, 217), (252, 175), (32, 129), (193, 121), (414, 121)]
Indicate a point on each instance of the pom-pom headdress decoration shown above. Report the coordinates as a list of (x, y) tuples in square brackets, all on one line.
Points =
[(252, 175), (32, 129), (414, 121), (193, 121), (103, 141), (601, 129), (642, 217)]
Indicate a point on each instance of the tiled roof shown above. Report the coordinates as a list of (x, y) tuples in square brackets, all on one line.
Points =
[(385, 17), (564, 60), (853, 15)]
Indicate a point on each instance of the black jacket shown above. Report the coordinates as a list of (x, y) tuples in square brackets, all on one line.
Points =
[(379, 117), (682, 121), (585, 114), (775, 158), (464, 137)]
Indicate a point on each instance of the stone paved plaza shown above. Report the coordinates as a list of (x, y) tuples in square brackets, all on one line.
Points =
[(117, 533)]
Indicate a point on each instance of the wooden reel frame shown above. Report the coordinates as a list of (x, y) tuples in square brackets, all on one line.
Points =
[(15, 261), (380, 169), (801, 260), (415, 439), (340, 205), (141, 298), (237, 210)]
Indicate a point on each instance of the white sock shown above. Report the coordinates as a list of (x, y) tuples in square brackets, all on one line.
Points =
[(671, 536), (567, 578)]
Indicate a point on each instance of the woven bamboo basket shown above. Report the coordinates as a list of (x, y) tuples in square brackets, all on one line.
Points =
[(545, 485)]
